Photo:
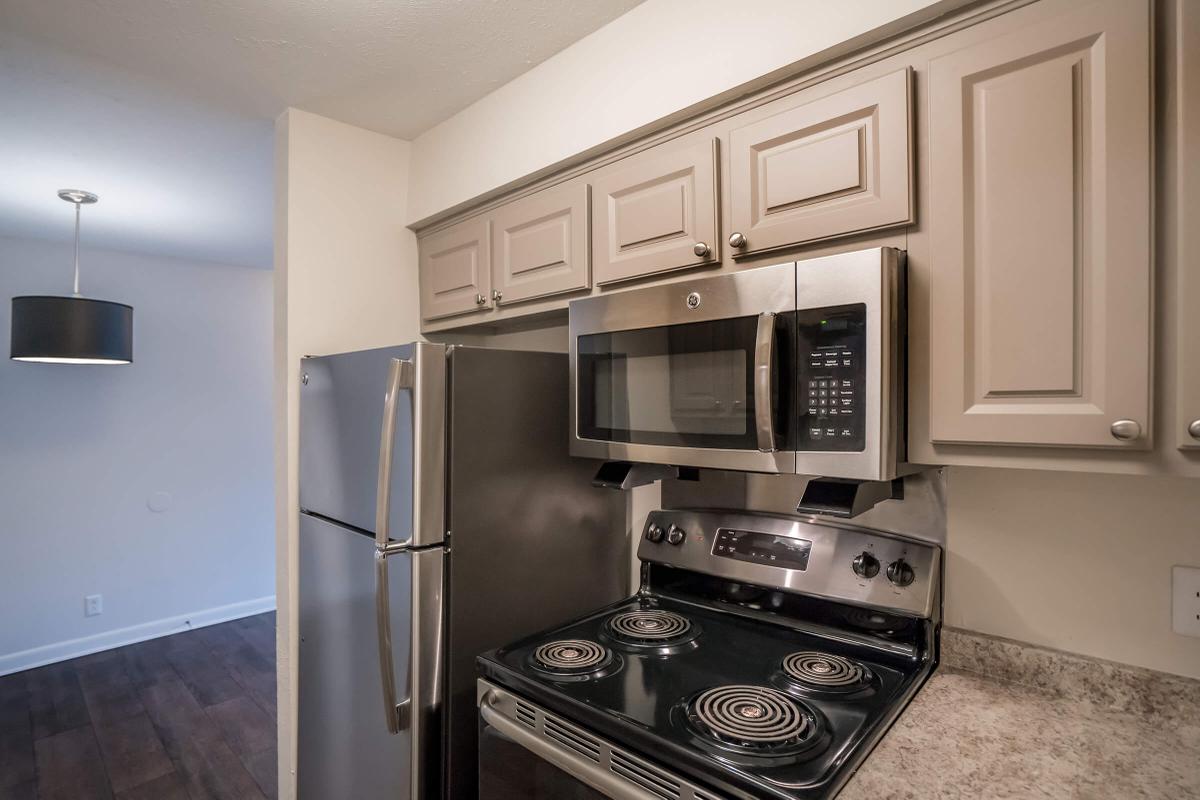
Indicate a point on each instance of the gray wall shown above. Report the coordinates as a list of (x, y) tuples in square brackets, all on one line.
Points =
[(83, 449)]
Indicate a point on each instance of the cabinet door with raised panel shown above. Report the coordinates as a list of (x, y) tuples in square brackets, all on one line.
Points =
[(455, 270), (1187, 220), (540, 245), (656, 213), (832, 166), (1040, 261)]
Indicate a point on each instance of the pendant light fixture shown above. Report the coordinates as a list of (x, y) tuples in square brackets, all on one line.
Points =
[(75, 329)]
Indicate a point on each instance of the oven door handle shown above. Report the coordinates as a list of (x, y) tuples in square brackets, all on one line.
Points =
[(576, 766), (764, 372)]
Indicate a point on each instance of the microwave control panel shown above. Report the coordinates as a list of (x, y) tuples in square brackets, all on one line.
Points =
[(832, 352)]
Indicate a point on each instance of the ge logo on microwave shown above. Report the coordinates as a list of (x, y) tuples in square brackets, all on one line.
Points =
[(693, 300)]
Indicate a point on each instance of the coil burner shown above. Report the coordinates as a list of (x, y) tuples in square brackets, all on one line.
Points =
[(651, 627), (751, 719), (572, 657), (824, 672)]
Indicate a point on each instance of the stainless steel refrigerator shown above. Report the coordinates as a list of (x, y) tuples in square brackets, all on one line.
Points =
[(440, 516)]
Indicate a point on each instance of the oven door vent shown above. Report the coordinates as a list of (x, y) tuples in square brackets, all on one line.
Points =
[(526, 715), (608, 757), (573, 739), (648, 777)]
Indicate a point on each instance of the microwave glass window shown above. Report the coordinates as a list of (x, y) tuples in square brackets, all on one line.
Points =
[(674, 393), (678, 385)]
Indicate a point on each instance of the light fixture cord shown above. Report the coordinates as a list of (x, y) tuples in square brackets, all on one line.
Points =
[(77, 249)]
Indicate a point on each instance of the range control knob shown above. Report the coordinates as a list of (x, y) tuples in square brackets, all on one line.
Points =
[(654, 534), (675, 535), (865, 565), (900, 573)]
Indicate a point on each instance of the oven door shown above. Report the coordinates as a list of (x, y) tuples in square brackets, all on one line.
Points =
[(530, 753), (696, 373)]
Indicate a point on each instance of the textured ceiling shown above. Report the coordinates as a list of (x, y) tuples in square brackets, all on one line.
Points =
[(165, 107), (395, 66)]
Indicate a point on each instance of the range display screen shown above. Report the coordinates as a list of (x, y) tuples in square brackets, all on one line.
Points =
[(762, 548)]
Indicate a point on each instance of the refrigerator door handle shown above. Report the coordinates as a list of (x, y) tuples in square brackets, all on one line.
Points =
[(401, 377), (398, 714), (415, 713)]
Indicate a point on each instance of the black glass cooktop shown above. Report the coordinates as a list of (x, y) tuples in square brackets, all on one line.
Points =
[(750, 707)]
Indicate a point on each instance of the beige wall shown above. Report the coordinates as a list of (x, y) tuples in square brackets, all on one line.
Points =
[(552, 339), (1075, 561), (345, 279), (659, 58)]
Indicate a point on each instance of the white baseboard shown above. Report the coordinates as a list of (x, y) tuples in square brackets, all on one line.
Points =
[(73, 648)]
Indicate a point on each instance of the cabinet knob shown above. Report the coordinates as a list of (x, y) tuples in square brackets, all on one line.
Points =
[(497, 295), (1126, 430), (480, 299), (700, 249), (737, 240), (1194, 429)]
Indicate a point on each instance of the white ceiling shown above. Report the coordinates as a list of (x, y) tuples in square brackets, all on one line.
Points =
[(165, 108)]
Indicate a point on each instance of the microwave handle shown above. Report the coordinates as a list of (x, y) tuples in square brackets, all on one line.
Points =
[(764, 371)]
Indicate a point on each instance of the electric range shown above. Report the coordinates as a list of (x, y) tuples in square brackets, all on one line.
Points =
[(762, 657)]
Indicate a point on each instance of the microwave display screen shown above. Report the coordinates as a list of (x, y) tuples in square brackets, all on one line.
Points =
[(685, 385), (763, 548)]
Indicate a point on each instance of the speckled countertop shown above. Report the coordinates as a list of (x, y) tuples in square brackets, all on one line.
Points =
[(1001, 719)]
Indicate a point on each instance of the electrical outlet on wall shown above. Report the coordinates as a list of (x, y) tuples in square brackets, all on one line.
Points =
[(93, 604), (1185, 600)]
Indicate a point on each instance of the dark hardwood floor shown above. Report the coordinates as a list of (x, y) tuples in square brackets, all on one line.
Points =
[(185, 717)]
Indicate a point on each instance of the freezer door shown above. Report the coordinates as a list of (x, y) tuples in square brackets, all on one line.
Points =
[(372, 441), (359, 608)]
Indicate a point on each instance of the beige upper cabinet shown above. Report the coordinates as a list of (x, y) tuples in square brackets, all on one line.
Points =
[(455, 270), (833, 166), (1187, 232), (1040, 264), (657, 212), (540, 245)]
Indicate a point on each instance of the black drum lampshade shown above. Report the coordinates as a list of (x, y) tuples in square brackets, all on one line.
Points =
[(71, 330), (75, 329)]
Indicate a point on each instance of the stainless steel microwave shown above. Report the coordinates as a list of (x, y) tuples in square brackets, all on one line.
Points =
[(792, 368)]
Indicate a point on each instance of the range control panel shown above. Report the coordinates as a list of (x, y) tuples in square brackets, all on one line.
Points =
[(833, 350), (858, 565), (762, 548)]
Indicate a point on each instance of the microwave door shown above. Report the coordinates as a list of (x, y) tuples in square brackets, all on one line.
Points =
[(706, 389)]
